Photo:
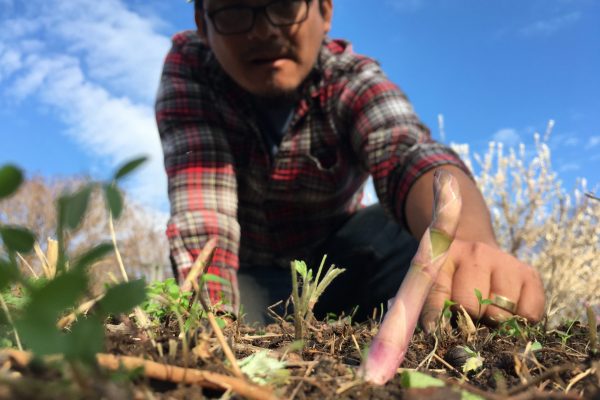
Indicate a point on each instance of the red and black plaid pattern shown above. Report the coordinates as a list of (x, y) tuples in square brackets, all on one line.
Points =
[(351, 121)]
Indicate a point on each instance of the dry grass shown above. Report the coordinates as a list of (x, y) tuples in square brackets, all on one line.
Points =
[(141, 237), (537, 220)]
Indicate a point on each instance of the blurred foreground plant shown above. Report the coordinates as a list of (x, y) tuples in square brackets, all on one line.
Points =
[(35, 324)]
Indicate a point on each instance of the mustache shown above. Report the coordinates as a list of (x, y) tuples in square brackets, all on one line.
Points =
[(269, 49)]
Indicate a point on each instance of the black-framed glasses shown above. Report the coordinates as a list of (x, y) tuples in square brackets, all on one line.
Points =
[(235, 19)]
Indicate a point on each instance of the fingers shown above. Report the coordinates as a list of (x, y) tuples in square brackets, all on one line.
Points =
[(515, 287), (506, 283), (439, 293), (531, 305)]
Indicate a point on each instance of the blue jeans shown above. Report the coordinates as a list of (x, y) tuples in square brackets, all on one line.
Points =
[(376, 253)]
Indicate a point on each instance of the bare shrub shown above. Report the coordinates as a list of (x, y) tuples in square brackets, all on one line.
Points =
[(140, 232), (542, 224)]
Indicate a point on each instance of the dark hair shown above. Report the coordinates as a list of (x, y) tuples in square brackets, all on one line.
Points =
[(198, 4)]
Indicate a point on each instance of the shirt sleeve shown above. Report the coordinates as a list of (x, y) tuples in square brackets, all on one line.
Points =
[(200, 171), (389, 139)]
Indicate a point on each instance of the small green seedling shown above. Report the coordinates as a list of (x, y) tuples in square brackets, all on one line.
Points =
[(565, 336), (481, 301), (445, 317), (312, 289), (166, 299), (511, 327)]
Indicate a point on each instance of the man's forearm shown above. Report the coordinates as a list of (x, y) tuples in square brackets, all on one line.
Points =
[(475, 223)]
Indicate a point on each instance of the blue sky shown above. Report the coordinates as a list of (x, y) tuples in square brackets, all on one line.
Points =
[(78, 77)]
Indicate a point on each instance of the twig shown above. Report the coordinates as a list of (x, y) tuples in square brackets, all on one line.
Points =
[(67, 320), (441, 360), (579, 377), (360, 354), (28, 266), (140, 316), (222, 341), (202, 261), (306, 374), (113, 236), (299, 334), (195, 273), (591, 196), (541, 377), (169, 373), (10, 321)]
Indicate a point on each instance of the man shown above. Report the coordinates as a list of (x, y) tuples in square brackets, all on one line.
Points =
[(269, 131)]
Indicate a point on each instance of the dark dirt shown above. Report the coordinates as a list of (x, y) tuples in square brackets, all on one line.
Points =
[(563, 368)]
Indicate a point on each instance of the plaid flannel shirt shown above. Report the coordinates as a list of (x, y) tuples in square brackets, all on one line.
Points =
[(350, 121)]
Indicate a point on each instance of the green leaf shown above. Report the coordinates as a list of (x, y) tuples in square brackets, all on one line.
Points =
[(536, 346), (129, 167), (76, 206), (50, 300), (11, 178), (85, 340), (486, 301), (8, 273), (478, 295), (18, 239), (93, 255), (419, 380), (42, 337), (214, 278), (123, 297), (114, 200), (300, 267)]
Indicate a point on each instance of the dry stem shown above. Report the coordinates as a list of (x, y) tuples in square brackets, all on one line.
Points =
[(169, 373)]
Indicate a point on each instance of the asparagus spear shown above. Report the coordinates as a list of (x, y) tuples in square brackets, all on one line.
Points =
[(389, 347)]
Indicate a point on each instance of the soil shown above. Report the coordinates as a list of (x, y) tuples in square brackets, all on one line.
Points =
[(562, 366)]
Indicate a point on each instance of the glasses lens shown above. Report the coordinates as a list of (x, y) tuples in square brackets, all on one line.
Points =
[(233, 20), (287, 12)]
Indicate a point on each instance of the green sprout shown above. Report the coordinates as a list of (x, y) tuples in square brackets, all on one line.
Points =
[(312, 289), (481, 301)]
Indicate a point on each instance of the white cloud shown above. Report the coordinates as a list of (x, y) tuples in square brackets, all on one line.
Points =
[(508, 136), (98, 69), (551, 25), (571, 141), (569, 167), (593, 142)]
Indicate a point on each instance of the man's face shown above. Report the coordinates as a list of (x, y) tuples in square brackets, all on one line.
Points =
[(267, 60)]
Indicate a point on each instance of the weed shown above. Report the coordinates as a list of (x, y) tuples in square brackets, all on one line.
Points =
[(312, 289), (46, 300), (565, 336), (481, 301)]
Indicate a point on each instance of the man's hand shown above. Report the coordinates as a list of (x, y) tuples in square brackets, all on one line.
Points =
[(475, 265)]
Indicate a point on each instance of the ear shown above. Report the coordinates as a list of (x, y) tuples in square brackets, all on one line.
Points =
[(327, 13), (199, 16)]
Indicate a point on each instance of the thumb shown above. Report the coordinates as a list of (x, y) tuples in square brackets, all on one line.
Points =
[(439, 293)]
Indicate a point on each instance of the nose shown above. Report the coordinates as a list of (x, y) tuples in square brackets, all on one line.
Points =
[(262, 29)]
